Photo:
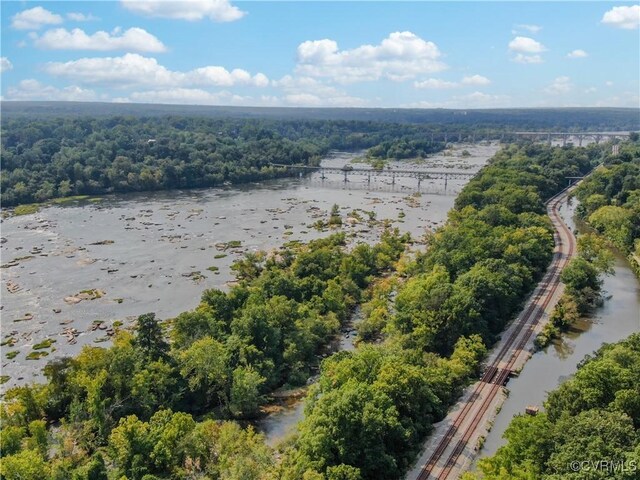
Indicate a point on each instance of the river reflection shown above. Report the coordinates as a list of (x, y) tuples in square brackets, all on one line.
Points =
[(616, 319)]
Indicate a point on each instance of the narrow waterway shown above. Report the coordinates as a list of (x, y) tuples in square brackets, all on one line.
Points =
[(618, 318), (277, 425)]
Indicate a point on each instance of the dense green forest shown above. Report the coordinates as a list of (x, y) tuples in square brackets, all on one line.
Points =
[(62, 156), (566, 119), (590, 428), (155, 404), (610, 201), (400, 149), (68, 149)]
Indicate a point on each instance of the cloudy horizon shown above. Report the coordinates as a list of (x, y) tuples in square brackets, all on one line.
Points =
[(316, 54)]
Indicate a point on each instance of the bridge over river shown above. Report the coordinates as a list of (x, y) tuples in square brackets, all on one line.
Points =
[(348, 171), (597, 137)]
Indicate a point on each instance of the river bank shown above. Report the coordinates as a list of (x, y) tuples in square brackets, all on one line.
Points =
[(616, 319)]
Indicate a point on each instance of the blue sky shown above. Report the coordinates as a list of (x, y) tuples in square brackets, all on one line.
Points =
[(371, 54)]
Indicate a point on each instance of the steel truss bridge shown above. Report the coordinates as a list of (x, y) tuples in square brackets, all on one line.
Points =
[(420, 175)]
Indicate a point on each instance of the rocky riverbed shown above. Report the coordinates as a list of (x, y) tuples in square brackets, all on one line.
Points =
[(72, 274)]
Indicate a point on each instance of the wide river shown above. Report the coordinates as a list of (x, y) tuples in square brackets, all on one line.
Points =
[(150, 252)]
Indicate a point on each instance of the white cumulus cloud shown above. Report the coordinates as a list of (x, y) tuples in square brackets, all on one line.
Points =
[(31, 89), (435, 83), (529, 28), (559, 86), (624, 99), (191, 10), (133, 69), (81, 17), (627, 17), (34, 18), (577, 54), (5, 65), (526, 45), (471, 100), (311, 92), (522, 58), (135, 39), (185, 96), (400, 56), (526, 50), (197, 96), (476, 80), (312, 100), (300, 85), (479, 99)]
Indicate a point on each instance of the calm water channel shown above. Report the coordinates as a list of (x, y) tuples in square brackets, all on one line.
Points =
[(618, 318)]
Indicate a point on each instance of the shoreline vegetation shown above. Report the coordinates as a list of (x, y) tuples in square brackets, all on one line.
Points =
[(583, 287), (601, 400), (610, 201), (161, 402), (610, 207), (593, 415)]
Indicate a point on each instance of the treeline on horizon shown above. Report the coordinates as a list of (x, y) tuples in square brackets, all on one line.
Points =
[(571, 119), (54, 150), (59, 157), (145, 409)]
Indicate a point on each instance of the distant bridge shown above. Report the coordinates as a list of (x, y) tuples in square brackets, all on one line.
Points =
[(565, 136), (347, 171)]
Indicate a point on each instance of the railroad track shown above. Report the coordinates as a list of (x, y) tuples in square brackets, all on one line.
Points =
[(498, 371)]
